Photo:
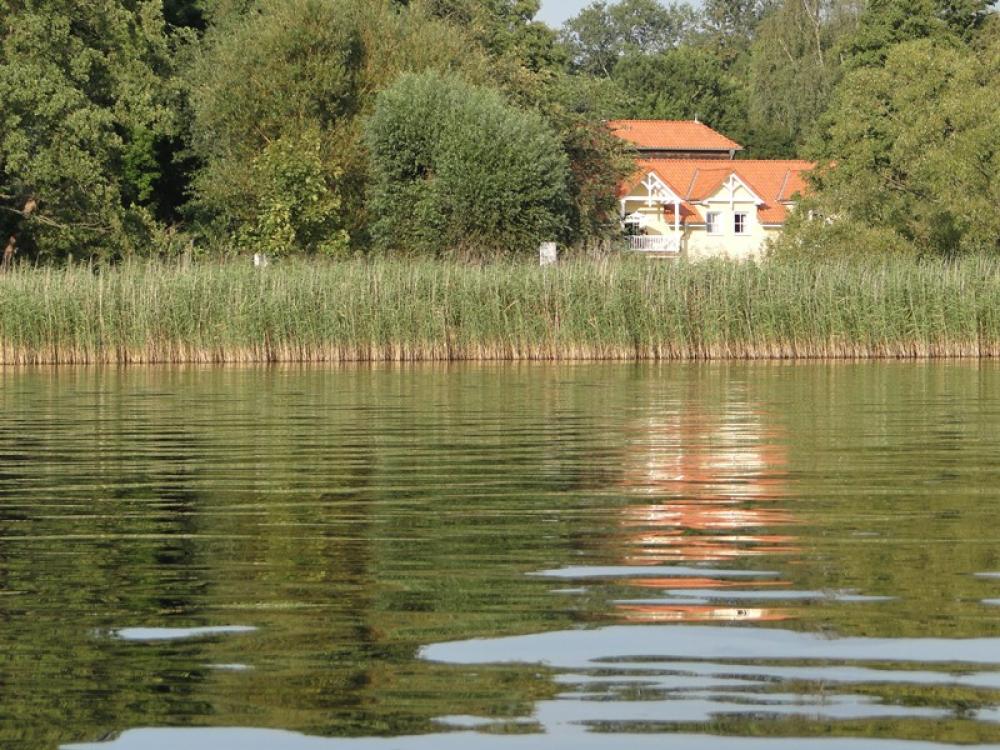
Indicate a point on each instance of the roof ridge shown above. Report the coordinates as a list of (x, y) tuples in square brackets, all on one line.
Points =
[(729, 162), (694, 179), (784, 182), (771, 161)]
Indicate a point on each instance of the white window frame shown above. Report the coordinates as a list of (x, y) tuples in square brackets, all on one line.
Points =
[(713, 225), (740, 222)]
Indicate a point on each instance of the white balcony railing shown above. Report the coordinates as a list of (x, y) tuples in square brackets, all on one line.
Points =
[(654, 243)]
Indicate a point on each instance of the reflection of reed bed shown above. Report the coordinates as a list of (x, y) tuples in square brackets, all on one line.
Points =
[(426, 310)]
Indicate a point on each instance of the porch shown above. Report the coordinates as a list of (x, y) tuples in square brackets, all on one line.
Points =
[(655, 243), (651, 218)]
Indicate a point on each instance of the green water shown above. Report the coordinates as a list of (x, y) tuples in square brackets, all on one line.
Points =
[(490, 556)]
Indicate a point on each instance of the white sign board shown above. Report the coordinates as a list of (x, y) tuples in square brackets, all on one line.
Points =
[(547, 254)]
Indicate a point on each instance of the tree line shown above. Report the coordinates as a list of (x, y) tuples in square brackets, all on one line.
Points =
[(337, 127)]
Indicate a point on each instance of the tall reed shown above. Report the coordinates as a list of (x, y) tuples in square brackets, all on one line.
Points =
[(621, 308)]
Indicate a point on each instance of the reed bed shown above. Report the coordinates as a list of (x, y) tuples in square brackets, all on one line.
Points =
[(620, 308)]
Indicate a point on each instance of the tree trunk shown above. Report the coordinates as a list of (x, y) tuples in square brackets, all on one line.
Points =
[(8, 254)]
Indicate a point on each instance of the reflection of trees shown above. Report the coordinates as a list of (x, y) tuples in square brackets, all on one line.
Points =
[(353, 515), (332, 510)]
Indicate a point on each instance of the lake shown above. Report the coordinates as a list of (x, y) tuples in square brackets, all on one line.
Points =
[(719, 555)]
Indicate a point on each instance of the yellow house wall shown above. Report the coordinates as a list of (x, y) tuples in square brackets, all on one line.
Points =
[(726, 243), (698, 243), (655, 221)]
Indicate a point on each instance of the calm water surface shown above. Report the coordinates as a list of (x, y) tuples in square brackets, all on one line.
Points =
[(575, 556)]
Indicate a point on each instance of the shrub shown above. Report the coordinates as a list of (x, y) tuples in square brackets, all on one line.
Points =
[(277, 96), (454, 166)]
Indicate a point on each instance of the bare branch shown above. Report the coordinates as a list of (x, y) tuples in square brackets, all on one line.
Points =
[(49, 222)]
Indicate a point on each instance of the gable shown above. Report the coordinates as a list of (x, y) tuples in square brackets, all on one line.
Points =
[(653, 189), (773, 182), (733, 189)]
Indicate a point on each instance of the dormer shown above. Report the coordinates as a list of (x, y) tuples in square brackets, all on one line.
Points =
[(733, 190)]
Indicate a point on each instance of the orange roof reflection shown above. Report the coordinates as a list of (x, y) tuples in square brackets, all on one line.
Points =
[(714, 478), (716, 491)]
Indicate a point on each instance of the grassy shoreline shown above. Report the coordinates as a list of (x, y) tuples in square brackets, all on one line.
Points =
[(622, 308)]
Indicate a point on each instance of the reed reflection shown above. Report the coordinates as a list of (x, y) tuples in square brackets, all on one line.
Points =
[(715, 483)]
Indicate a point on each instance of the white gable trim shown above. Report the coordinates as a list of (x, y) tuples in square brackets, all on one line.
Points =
[(657, 191), (727, 192)]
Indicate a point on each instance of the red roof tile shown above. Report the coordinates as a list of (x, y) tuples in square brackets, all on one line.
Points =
[(775, 181), (677, 135)]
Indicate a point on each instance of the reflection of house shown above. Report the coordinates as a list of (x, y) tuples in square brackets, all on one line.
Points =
[(713, 486), (690, 197), (714, 492)]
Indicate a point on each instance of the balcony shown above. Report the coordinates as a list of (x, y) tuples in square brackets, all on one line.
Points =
[(654, 243)]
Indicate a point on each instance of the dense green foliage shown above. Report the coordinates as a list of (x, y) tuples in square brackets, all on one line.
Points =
[(88, 103), (157, 127), (415, 309), (278, 98), (454, 167), (602, 34), (682, 84), (904, 175)]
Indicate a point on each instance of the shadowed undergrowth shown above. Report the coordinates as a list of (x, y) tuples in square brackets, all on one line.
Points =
[(426, 310)]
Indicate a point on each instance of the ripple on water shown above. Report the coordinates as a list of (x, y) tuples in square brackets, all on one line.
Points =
[(670, 676), (589, 648), (175, 634), (618, 571), (770, 595), (572, 738)]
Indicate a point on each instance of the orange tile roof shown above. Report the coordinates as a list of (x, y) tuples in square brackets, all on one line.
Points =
[(775, 181), (678, 135)]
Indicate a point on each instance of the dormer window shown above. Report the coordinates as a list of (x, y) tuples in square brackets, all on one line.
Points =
[(739, 223)]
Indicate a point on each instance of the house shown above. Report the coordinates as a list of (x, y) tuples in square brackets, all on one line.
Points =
[(674, 139), (691, 197)]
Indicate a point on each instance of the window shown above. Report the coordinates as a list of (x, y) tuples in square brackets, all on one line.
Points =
[(712, 222), (739, 223)]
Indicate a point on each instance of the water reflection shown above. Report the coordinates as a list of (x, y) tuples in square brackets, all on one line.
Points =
[(353, 516), (715, 480)]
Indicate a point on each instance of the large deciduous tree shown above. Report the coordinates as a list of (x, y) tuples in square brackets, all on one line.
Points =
[(456, 167), (504, 28), (87, 100), (681, 84), (277, 99), (927, 177), (886, 23), (602, 33), (729, 26), (794, 65)]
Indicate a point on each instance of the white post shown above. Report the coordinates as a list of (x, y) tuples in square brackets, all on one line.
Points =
[(677, 225), (548, 254)]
